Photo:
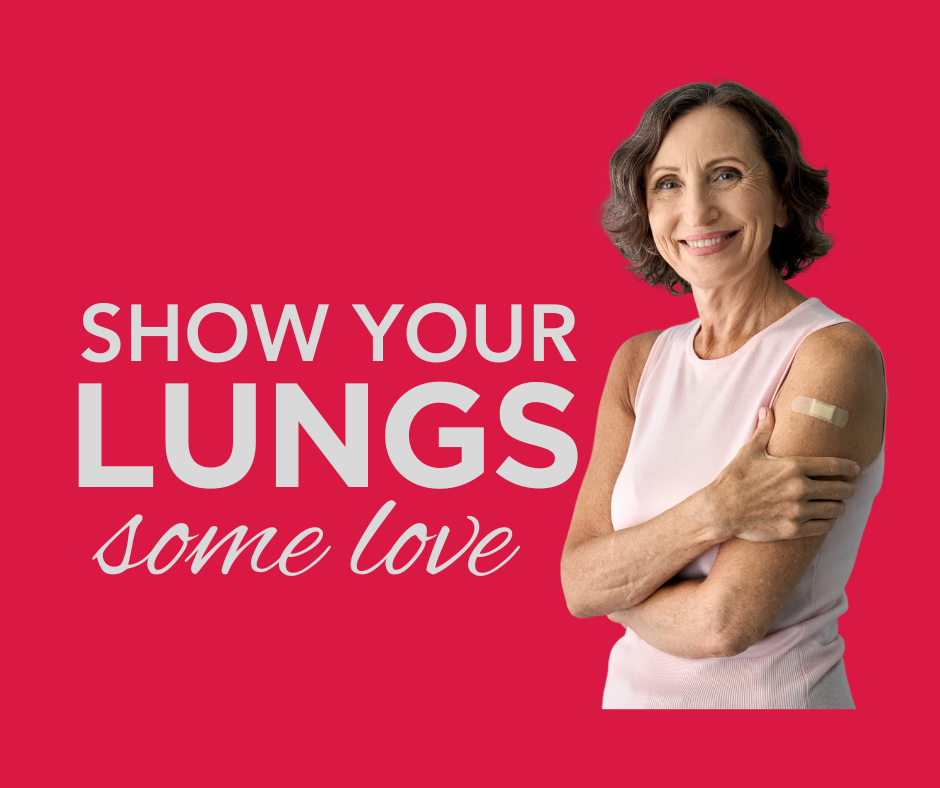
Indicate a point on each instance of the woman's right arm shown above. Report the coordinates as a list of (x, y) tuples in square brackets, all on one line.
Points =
[(603, 570)]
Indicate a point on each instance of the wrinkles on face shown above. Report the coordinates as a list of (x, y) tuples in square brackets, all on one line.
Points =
[(708, 177)]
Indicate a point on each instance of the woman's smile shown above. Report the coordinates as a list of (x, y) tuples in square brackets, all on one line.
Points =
[(710, 193), (710, 243)]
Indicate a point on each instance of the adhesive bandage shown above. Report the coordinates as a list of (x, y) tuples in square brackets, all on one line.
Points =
[(821, 410)]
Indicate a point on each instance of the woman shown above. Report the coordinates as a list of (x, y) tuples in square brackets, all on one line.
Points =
[(724, 550)]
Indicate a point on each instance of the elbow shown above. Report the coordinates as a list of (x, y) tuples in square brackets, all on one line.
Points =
[(728, 641), (578, 603), (728, 628), (585, 604), (579, 607), (718, 648), (586, 596), (583, 597)]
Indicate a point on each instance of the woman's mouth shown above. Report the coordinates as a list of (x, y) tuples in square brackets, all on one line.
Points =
[(710, 245)]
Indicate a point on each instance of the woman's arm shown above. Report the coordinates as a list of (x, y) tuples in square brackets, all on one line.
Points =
[(734, 607), (605, 570)]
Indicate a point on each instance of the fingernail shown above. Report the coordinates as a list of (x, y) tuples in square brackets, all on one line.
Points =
[(857, 469), (762, 415)]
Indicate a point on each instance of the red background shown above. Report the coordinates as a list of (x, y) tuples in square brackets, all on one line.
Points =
[(406, 154)]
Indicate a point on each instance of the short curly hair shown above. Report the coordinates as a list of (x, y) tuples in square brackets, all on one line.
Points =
[(805, 190)]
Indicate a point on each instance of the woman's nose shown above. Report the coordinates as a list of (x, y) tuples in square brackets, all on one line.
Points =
[(699, 207)]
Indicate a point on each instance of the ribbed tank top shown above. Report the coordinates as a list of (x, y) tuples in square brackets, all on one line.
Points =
[(692, 417)]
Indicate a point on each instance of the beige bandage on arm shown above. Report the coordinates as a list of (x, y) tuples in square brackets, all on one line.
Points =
[(821, 410)]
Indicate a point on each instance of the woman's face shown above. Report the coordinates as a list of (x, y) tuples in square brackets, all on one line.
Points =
[(712, 199)]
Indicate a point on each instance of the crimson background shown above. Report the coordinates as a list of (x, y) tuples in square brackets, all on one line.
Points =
[(416, 153)]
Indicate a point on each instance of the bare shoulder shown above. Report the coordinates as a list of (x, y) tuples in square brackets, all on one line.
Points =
[(846, 347), (628, 365), (840, 366)]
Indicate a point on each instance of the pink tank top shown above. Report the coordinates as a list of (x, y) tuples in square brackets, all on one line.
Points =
[(692, 417)]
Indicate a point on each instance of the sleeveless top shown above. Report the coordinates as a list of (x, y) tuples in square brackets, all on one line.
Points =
[(692, 417)]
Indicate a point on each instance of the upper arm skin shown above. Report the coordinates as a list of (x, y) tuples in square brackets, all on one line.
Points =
[(615, 420), (750, 581)]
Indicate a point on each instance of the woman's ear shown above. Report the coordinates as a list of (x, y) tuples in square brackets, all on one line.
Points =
[(782, 219)]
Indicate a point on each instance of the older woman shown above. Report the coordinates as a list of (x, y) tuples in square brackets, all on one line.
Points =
[(723, 549)]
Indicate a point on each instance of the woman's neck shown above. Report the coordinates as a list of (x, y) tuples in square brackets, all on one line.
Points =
[(734, 313)]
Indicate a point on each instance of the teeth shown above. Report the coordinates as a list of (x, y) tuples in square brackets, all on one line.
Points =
[(708, 241)]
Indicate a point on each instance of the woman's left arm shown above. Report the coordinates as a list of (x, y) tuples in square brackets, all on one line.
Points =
[(733, 608)]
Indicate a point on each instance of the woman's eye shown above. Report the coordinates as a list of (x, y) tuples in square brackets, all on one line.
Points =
[(730, 173), (666, 185)]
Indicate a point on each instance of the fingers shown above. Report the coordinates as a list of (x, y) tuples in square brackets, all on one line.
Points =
[(827, 466), (826, 490), (765, 427), (823, 510), (817, 527)]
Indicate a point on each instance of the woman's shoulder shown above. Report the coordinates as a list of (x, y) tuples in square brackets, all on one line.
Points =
[(632, 355), (844, 347), (629, 363), (840, 365), (637, 347)]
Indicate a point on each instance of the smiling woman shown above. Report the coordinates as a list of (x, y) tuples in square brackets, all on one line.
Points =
[(747, 118), (723, 550), (687, 191)]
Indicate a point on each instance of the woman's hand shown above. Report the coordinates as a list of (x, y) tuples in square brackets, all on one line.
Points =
[(762, 498)]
